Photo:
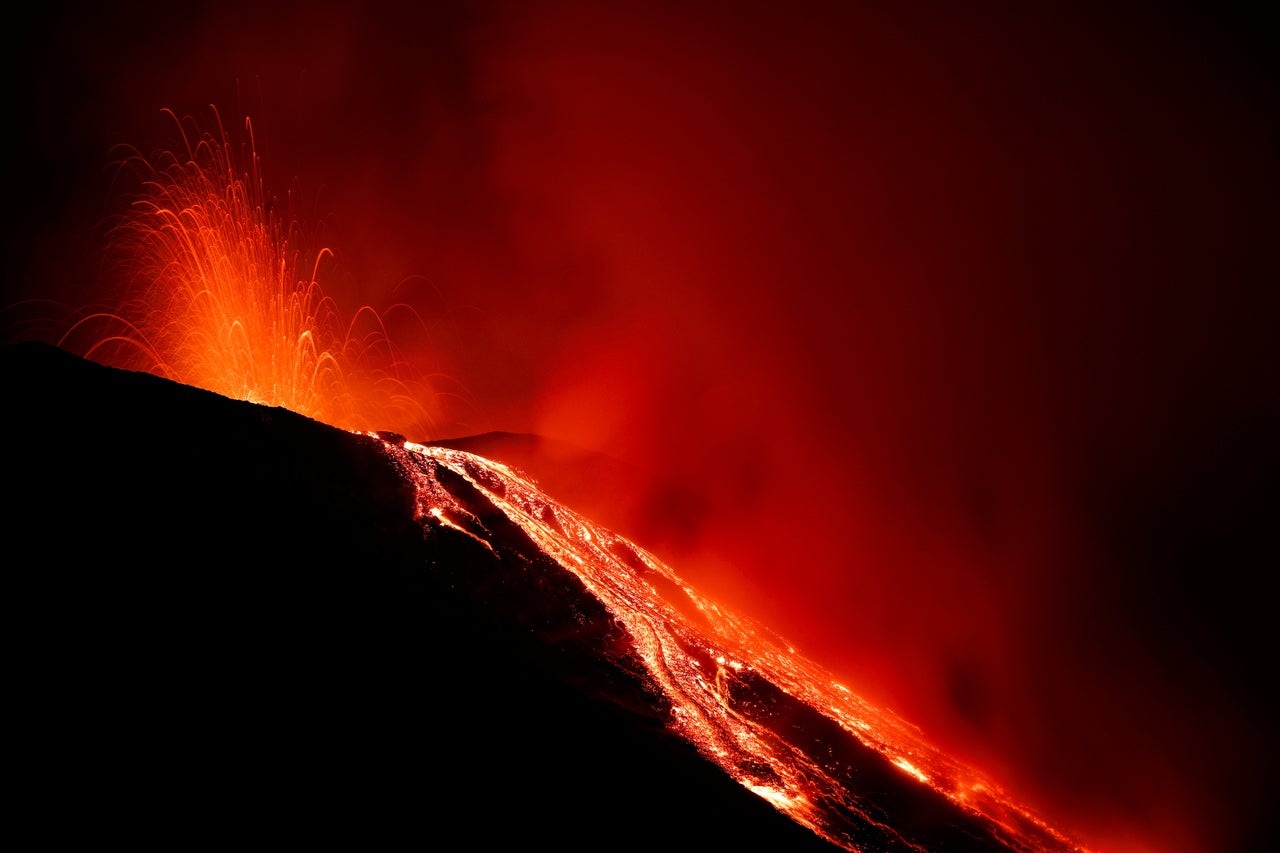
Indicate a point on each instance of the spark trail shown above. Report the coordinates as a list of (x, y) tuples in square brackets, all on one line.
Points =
[(219, 291)]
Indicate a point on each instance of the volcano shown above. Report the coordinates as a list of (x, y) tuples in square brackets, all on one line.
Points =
[(234, 621)]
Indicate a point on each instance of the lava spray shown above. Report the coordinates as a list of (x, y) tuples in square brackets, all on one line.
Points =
[(218, 288)]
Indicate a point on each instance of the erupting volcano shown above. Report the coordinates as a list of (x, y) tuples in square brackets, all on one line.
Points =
[(449, 450), (216, 302), (374, 540)]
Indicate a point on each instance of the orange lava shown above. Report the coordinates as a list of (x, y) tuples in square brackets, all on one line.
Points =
[(704, 657), (221, 293)]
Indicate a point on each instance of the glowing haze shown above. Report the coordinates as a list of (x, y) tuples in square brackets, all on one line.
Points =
[(985, 295)]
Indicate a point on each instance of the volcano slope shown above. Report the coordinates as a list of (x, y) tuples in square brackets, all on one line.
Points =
[(230, 621)]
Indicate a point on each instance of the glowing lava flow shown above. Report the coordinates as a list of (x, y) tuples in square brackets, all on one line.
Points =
[(776, 722), (222, 295)]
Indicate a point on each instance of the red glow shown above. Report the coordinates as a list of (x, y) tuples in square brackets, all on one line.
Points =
[(984, 294)]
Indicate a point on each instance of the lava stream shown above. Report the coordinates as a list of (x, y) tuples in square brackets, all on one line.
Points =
[(734, 688)]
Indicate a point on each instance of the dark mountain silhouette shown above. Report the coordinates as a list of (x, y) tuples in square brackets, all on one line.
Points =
[(231, 622), (226, 625)]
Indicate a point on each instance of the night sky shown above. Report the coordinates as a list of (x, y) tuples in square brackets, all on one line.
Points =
[(954, 324)]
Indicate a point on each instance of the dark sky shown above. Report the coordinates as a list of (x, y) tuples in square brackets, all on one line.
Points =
[(956, 322)]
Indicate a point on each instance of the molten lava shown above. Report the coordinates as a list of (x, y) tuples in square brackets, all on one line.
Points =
[(776, 722), (221, 293)]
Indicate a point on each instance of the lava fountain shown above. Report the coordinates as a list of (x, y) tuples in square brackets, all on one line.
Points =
[(220, 291)]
